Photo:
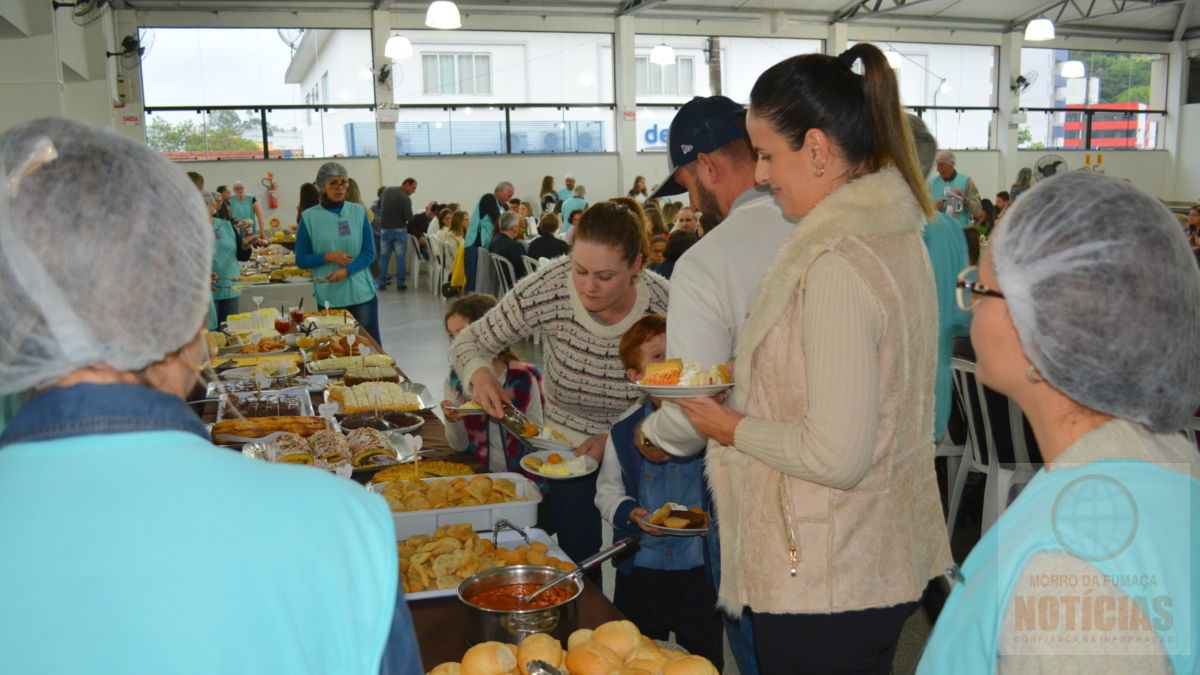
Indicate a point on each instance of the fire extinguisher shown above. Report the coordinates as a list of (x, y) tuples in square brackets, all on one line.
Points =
[(272, 191)]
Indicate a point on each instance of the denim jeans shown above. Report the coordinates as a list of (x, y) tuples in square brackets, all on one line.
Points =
[(367, 316), (392, 241)]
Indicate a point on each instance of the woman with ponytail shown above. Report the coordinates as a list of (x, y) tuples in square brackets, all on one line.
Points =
[(822, 463)]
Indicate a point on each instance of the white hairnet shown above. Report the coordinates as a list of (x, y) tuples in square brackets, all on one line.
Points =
[(105, 251), (329, 170), (1105, 296)]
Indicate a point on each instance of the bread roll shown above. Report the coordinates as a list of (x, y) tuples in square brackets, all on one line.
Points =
[(489, 658), (688, 665), (579, 637), (539, 646), (590, 658), (619, 636), (630, 671), (448, 668), (646, 657)]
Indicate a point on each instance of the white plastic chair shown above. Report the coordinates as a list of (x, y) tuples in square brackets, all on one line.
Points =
[(531, 264), (485, 273), (414, 248), (1000, 480), (436, 263), (505, 275)]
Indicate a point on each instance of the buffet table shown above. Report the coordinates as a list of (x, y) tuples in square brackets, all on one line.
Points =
[(278, 295), (441, 623)]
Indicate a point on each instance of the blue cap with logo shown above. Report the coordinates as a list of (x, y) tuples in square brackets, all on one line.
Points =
[(701, 125)]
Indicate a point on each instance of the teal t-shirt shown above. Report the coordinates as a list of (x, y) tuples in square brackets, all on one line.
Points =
[(156, 552), (225, 263)]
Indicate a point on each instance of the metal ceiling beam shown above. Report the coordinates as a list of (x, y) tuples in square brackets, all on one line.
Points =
[(1088, 12), (383, 4), (631, 7), (1185, 13), (872, 9)]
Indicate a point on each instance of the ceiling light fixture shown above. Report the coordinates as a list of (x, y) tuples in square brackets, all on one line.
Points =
[(397, 48), (443, 15), (1073, 70), (662, 54), (1039, 30)]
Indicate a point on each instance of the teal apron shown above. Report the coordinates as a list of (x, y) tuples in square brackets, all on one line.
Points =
[(243, 209), (225, 264), (1089, 506), (955, 206), (329, 232)]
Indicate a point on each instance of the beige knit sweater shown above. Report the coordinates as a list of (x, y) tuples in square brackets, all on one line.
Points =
[(835, 371)]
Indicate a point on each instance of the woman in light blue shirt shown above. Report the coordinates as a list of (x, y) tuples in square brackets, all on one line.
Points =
[(334, 240), (225, 261), (150, 550)]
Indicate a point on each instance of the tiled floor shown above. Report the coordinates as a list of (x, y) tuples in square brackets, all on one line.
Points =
[(411, 323)]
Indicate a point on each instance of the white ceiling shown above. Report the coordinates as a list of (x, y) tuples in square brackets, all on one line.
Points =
[(1160, 20)]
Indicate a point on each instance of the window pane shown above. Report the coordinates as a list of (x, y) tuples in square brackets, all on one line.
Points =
[(483, 74), (429, 74), (221, 134), (449, 79), (945, 75), (510, 67), (250, 66), (670, 79), (961, 129), (466, 74), (653, 123), (642, 83), (1110, 79), (742, 61)]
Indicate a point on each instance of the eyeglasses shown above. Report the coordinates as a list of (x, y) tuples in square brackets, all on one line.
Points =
[(968, 286), (336, 183)]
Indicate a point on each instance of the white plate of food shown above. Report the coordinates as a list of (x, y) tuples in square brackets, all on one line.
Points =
[(687, 522), (539, 463), (683, 391)]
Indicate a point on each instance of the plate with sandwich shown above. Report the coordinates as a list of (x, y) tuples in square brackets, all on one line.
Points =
[(679, 520), (558, 464), (674, 379)]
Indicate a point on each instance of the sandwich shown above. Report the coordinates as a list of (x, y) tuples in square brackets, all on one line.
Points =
[(679, 517)]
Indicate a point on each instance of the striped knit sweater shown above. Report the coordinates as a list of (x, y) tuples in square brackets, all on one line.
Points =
[(586, 387)]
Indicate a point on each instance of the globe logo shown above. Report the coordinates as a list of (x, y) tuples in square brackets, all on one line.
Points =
[(1094, 518)]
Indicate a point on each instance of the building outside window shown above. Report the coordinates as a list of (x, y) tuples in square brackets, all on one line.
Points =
[(676, 79), (457, 73)]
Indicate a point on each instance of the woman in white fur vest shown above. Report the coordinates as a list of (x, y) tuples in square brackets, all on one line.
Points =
[(822, 466)]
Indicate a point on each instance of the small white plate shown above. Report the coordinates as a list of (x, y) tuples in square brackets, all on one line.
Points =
[(681, 531), (544, 455), (247, 373), (681, 391)]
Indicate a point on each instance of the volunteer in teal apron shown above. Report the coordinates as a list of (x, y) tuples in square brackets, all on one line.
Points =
[(225, 262), (1086, 306), (334, 240), (246, 207)]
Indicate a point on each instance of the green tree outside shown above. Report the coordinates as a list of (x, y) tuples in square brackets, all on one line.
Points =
[(1124, 78), (226, 130)]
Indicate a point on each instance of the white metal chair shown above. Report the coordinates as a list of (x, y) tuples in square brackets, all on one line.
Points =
[(982, 458), (505, 275)]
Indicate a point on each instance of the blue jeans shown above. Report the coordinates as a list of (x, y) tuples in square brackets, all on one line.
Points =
[(225, 308), (367, 316), (392, 241)]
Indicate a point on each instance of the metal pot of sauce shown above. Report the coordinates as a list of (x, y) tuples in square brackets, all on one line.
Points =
[(499, 614)]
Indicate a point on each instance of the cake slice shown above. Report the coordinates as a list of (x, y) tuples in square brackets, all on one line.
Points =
[(664, 373)]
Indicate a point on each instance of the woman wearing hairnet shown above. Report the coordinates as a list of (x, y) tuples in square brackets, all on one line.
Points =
[(126, 533), (334, 240), (1086, 304)]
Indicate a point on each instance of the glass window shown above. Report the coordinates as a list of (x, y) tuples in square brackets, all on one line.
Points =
[(255, 66), (742, 61), (504, 67), (1119, 86)]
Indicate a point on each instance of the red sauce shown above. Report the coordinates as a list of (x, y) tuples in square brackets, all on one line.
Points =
[(507, 598)]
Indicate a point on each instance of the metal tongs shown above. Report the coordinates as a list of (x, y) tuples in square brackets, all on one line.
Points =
[(586, 564)]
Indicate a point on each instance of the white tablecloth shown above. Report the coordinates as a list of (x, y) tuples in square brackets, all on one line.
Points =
[(278, 295)]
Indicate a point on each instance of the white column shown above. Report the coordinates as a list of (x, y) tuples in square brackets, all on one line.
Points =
[(1004, 131), (385, 132), (1176, 86), (626, 99), (835, 38)]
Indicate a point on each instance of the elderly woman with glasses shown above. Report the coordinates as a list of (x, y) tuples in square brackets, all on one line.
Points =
[(1086, 304), (334, 240)]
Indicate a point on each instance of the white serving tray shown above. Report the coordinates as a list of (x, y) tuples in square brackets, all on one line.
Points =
[(506, 539), (482, 517)]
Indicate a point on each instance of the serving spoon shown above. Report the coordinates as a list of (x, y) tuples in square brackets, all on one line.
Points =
[(585, 565)]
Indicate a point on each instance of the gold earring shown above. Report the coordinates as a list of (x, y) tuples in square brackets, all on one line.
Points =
[(1032, 374), (819, 169)]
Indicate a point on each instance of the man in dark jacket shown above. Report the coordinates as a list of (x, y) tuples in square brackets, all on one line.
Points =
[(505, 243), (395, 212)]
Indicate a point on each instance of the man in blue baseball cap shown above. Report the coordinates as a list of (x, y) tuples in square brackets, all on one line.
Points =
[(714, 283)]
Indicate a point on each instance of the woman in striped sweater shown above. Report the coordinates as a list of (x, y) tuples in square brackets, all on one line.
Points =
[(579, 306)]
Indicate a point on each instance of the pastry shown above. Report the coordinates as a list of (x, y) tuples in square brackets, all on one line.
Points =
[(369, 447), (257, 427), (664, 373), (330, 446), (358, 374), (374, 396)]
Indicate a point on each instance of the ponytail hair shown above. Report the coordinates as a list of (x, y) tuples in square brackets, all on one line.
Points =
[(861, 113)]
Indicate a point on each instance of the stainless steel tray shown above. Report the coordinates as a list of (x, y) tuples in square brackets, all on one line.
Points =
[(298, 393)]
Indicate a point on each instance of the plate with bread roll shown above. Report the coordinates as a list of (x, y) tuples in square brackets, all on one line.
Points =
[(679, 520), (675, 379)]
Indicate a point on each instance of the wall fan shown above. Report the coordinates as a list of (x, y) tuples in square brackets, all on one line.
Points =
[(83, 12), (1047, 166)]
